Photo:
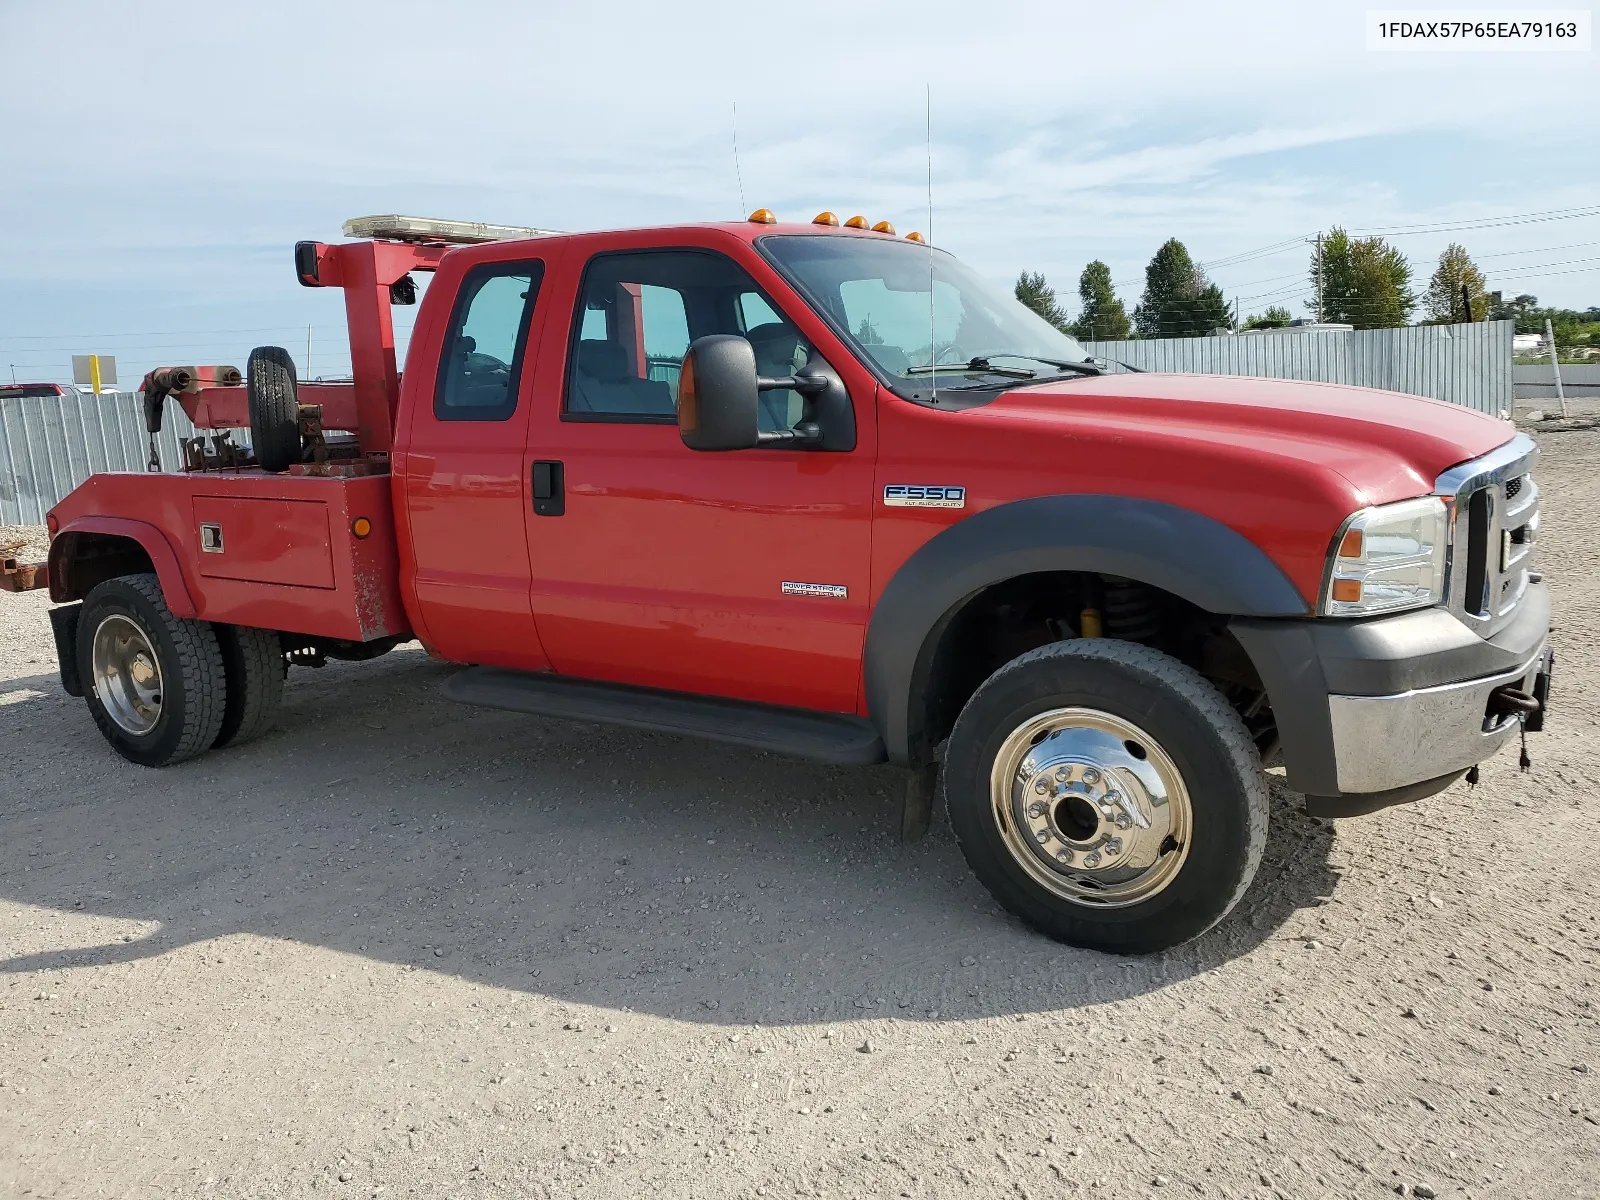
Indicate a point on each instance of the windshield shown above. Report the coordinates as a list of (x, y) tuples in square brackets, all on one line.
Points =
[(878, 294)]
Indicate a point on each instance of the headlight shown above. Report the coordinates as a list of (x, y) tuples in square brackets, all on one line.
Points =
[(1387, 558)]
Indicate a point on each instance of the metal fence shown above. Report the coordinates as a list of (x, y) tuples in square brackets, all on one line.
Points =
[(49, 445), (1468, 364)]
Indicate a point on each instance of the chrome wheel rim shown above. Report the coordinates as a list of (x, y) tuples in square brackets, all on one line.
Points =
[(127, 674), (1091, 807)]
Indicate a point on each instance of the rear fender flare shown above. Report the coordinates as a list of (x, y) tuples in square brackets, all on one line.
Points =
[(1172, 548), (152, 540)]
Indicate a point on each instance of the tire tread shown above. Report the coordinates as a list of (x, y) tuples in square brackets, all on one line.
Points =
[(253, 663)]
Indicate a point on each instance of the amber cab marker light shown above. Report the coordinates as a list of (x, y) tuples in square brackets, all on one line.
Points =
[(1350, 545), (857, 222), (361, 527), (883, 227), (1347, 591), (824, 218), (762, 216), (914, 236)]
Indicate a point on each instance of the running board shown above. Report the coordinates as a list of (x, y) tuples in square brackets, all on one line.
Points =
[(825, 737)]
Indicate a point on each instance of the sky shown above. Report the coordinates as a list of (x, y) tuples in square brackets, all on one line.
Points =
[(160, 159)]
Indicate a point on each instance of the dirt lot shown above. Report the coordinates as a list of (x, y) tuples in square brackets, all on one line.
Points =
[(400, 947)]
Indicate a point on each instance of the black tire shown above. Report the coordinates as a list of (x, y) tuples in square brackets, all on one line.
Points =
[(274, 399), (1189, 721), (252, 661), (192, 690)]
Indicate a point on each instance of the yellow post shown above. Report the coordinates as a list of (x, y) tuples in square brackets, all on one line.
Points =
[(94, 373)]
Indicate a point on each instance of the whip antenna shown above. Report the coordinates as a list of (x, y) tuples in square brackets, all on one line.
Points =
[(933, 338), (736, 173)]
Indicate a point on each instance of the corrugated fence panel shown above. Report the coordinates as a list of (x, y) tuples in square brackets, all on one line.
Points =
[(50, 445), (1467, 364)]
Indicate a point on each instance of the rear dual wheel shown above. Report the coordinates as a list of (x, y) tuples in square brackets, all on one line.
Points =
[(163, 688), (1108, 795)]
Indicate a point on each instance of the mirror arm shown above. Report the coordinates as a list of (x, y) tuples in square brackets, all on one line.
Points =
[(806, 385), (802, 434)]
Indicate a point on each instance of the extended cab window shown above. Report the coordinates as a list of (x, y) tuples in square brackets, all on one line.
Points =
[(483, 348), (638, 314)]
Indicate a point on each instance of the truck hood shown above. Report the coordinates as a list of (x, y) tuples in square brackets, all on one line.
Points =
[(1386, 445), (1280, 461)]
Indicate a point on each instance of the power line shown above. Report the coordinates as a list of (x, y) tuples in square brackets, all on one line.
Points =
[(1534, 218)]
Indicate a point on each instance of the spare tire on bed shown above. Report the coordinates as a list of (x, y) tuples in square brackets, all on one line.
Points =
[(274, 408)]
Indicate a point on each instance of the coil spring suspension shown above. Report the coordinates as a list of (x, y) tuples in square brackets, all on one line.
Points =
[(1130, 611)]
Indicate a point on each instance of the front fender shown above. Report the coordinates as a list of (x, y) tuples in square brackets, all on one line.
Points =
[(152, 540), (1180, 551)]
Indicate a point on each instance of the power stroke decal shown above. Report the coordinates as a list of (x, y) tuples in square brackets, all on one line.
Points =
[(822, 591), (924, 495)]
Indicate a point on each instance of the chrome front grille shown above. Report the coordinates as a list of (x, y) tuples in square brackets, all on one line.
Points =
[(1494, 522)]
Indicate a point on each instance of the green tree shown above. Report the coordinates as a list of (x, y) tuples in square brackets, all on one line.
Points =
[(1455, 271), (1363, 282), (867, 333), (1102, 317), (1178, 300), (1276, 317), (1038, 295), (1523, 309)]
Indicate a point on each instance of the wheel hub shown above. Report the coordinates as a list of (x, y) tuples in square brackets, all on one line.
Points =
[(127, 674), (1091, 806)]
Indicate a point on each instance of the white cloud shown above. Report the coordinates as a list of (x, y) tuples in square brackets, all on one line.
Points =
[(184, 147)]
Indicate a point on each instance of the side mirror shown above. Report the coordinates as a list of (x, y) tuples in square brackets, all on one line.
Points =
[(717, 391)]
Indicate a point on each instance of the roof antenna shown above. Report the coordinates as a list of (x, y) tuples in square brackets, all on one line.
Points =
[(736, 173), (933, 339)]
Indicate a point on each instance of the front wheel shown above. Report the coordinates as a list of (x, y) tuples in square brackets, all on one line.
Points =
[(1108, 795)]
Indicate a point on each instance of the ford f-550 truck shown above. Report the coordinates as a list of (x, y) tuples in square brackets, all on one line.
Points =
[(821, 489)]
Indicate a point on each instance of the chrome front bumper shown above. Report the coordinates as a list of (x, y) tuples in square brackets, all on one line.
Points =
[(1386, 742)]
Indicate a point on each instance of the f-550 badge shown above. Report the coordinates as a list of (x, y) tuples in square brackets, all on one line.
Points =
[(924, 495)]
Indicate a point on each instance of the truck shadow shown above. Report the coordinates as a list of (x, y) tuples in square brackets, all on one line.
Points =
[(604, 867)]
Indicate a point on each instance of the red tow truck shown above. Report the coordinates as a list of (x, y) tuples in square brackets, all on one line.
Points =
[(823, 490)]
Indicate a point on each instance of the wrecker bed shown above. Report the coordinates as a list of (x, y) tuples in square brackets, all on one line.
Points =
[(296, 553)]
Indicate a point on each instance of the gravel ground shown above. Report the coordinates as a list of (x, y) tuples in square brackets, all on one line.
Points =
[(401, 947), (26, 543)]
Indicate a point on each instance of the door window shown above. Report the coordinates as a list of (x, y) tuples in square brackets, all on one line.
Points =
[(638, 315), (483, 349)]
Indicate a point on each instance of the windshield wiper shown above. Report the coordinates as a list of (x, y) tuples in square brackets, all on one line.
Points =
[(1086, 367), (979, 365), (1129, 367), (982, 363)]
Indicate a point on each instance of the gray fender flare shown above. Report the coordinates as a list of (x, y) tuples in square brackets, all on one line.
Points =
[(1172, 548)]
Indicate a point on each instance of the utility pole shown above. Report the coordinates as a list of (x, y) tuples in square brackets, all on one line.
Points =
[(1317, 270), (1555, 365), (1466, 304), (308, 352), (1236, 314)]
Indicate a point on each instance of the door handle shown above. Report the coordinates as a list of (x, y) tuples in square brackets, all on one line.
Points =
[(549, 490)]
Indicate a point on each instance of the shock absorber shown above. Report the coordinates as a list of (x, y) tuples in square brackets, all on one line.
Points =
[(1130, 611)]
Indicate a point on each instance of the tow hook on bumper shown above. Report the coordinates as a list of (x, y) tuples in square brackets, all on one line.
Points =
[(1508, 700)]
